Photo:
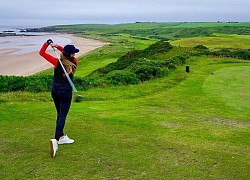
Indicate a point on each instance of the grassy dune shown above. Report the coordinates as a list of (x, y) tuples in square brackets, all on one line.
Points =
[(184, 126)]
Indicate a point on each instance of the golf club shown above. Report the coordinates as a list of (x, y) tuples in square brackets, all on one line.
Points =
[(78, 97)]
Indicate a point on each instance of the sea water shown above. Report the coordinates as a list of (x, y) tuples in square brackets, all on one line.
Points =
[(25, 42)]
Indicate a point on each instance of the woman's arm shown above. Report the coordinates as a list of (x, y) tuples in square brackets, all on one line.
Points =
[(60, 48), (47, 56)]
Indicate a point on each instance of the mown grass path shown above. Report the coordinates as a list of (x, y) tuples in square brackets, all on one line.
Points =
[(232, 85), (179, 127)]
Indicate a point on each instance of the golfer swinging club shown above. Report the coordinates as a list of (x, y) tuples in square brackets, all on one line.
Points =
[(61, 89)]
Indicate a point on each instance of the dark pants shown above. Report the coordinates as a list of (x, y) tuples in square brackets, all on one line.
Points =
[(62, 100)]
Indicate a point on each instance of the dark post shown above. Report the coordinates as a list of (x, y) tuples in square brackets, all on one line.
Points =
[(187, 69)]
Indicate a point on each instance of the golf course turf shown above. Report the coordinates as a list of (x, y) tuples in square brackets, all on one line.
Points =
[(192, 125)]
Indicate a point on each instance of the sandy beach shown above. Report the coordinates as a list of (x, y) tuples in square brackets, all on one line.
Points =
[(15, 61)]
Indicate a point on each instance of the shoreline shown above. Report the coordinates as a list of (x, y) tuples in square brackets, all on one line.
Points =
[(26, 64)]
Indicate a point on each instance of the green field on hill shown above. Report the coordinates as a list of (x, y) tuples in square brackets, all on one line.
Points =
[(179, 125), (217, 41)]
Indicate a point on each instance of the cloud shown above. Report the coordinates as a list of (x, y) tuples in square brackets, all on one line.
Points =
[(117, 11)]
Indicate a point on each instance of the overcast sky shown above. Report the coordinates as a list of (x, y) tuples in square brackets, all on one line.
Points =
[(53, 12)]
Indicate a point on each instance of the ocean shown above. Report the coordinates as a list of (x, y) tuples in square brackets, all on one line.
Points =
[(25, 42), (14, 29)]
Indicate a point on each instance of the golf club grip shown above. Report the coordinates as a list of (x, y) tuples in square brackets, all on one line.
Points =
[(70, 82)]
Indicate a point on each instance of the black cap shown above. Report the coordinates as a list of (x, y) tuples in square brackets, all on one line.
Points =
[(70, 49)]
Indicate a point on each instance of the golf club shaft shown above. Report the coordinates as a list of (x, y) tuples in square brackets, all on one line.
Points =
[(70, 81)]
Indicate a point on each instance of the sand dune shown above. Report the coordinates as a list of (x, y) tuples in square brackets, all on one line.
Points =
[(29, 63)]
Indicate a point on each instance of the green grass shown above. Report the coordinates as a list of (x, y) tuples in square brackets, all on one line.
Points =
[(217, 41), (212, 25), (159, 31), (184, 126), (110, 53), (145, 25), (231, 85), (168, 128)]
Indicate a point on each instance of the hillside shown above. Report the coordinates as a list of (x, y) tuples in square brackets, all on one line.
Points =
[(158, 31)]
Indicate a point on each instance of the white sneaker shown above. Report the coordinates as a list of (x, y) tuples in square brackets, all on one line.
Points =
[(65, 140), (53, 147)]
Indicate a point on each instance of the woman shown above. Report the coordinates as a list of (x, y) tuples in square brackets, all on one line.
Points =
[(61, 89)]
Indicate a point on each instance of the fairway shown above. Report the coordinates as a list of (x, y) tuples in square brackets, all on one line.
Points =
[(232, 85)]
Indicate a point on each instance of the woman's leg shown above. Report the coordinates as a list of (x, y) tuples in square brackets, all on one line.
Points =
[(56, 100), (65, 97)]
